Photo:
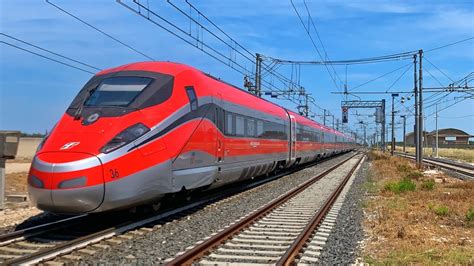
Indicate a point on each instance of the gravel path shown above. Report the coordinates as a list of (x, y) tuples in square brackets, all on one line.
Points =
[(175, 236), (10, 218), (342, 245)]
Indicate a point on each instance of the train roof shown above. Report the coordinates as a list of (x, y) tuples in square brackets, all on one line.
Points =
[(173, 68), (170, 68)]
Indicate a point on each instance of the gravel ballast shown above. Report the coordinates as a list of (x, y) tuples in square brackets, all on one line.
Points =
[(342, 246), (175, 236)]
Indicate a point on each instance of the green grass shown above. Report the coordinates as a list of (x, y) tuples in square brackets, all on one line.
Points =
[(401, 186), (441, 210), (428, 184), (470, 215)]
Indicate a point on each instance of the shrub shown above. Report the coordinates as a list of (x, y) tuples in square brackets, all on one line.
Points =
[(441, 211), (470, 215), (401, 186), (428, 184)]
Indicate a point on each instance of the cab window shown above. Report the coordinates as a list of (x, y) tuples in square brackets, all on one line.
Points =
[(117, 91), (193, 101)]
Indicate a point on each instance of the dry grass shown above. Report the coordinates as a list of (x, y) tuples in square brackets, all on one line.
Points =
[(466, 155), (16, 183), (429, 225)]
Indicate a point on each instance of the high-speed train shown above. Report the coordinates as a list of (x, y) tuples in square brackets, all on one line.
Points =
[(138, 132)]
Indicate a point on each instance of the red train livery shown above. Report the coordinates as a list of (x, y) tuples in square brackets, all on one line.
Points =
[(137, 132)]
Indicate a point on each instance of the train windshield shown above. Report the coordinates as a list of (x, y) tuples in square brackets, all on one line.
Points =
[(117, 91)]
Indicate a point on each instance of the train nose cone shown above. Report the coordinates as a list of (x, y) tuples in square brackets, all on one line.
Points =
[(66, 182)]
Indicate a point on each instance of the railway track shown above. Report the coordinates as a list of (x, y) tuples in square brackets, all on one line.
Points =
[(290, 229), (87, 236), (459, 168)]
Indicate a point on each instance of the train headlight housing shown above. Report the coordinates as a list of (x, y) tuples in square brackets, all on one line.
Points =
[(40, 146), (126, 136)]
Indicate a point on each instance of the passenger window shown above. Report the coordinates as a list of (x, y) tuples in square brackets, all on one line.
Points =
[(229, 128), (259, 128), (239, 125), (193, 101), (251, 127)]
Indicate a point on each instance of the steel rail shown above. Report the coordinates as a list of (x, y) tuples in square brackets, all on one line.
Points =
[(199, 251), (81, 242), (39, 229), (292, 253), (451, 166)]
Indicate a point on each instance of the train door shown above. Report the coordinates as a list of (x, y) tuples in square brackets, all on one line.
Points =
[(220, 117), (292, 138)]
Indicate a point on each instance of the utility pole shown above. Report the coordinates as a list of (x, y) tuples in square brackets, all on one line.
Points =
[(258, 75), (420, 111), (306, 105), (382, 133), (365, 135), (332, 121), (392, 150), (376, 137), (404, 132), (364, 141), (417, 115), (436, 130), (304, 109), (324, 117)]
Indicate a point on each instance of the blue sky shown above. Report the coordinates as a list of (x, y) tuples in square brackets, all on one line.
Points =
[(34, 92)]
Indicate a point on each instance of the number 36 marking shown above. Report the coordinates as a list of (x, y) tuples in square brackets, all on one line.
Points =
[(114, 173)]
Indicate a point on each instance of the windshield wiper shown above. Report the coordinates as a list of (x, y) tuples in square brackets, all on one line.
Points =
[(78, 113)]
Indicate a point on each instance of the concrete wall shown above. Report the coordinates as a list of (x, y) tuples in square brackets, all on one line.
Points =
[(27, 148)]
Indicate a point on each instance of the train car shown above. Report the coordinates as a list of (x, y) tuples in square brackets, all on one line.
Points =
[(138, 132), (315, 141)]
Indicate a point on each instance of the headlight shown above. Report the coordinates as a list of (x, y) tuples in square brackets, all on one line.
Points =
[(40, 146), (128, 135)]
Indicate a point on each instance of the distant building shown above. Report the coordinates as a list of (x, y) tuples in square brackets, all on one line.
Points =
[(446, 137), (410, 137)]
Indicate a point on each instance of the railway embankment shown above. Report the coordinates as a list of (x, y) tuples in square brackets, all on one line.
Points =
[(414, 216)]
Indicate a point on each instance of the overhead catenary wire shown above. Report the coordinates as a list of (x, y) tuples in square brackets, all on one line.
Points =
[(47, 57), (379, 77), (246, 53), (219, 57), (398, 79), (455, 117), (320, 40), (442, 72), (314, 44), (99, 30), (367, 60), (456, 102), (200, 44), (433, 76), (49, 51), (449, 44)]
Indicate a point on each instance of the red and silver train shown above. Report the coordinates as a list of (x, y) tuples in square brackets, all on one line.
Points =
[(138, 132)]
